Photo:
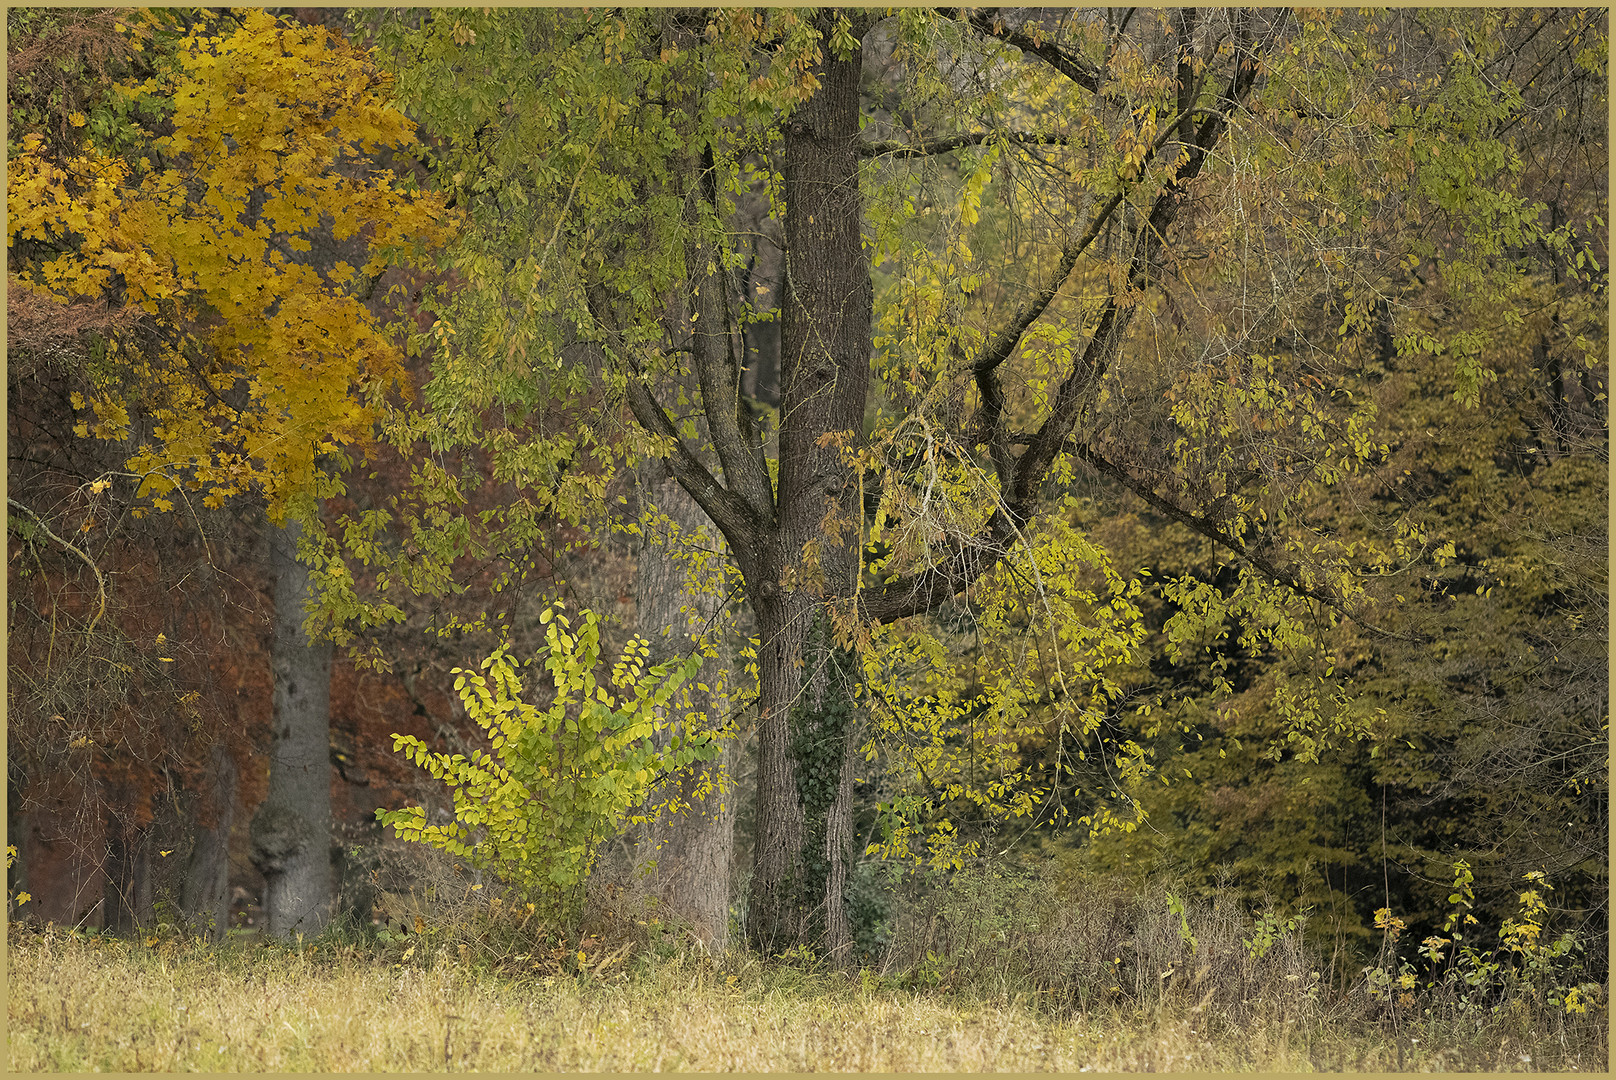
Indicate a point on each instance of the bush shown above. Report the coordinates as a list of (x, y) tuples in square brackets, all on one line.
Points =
[(561, 780), (1453, 975)]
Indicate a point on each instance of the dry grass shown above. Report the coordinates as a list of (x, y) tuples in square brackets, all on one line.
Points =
[(995, 970), (86, 1004)]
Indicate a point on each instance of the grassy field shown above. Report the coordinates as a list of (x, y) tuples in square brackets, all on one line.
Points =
[(81, 1003)]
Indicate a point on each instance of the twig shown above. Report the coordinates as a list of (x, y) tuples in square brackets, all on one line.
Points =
[(100, 582)]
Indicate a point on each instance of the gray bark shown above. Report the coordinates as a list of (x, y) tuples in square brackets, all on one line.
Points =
[(692, 849), (291, 832)]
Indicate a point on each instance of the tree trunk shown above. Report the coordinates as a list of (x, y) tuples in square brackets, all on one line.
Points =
[(806, 575), (205, 894), (693, 848), (127, 903), (291, 833)]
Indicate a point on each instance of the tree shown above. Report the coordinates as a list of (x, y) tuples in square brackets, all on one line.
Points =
[(1478, 681), (679, 607), (536, 810), (257, 372), (1055, 250), (117, 750)]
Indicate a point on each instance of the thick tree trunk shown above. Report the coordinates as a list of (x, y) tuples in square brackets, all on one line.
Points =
[(694, 847), (291, 833), (807, 749), (774, 917), (797, 540), (806, 576)]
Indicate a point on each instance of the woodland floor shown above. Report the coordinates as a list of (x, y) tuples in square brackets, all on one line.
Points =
[(89, 1004)]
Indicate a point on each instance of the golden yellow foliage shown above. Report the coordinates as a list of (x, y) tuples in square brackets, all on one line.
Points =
[(264, 362)]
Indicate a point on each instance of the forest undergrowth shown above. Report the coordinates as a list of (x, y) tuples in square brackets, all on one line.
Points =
[(999, 971)]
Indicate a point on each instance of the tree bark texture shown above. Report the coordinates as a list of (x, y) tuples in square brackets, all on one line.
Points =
[(291, 832), (127, 903), (807, 728), (694, 847)]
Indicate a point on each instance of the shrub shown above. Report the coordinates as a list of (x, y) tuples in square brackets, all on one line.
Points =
[(562, 779), (1455, 975)]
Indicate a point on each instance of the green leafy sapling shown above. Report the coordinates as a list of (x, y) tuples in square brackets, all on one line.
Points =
[(562, 779)]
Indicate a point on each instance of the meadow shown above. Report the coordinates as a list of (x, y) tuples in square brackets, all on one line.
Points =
[(994, 974)]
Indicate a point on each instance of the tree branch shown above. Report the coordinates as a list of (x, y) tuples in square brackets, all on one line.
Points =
[(1033, 465), (987, 21), (927, 589), (915, 594), (1206, 525), (988, 425), (100, 582), (944, 144), (726, 509), (1213, 529), (717, 371)]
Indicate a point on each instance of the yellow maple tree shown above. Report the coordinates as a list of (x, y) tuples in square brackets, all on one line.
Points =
[(252, 362)]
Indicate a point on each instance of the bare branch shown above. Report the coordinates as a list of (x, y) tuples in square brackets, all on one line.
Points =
[(989, 22), (944, 144), (100, 582), (985, 368), (727, 510)]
